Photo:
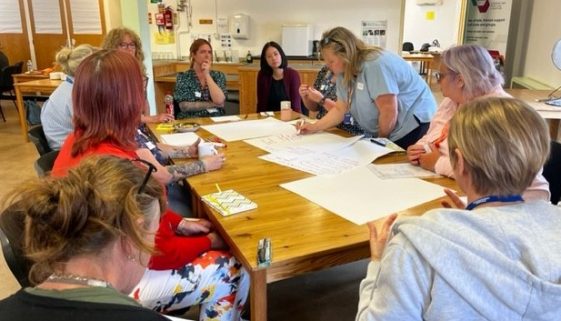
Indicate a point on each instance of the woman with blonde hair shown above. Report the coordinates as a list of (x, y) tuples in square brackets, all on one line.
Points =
[(383, 93), (200, 91), (497, 259), (89, 235), (126, 40), (56, 113), (466, 73)]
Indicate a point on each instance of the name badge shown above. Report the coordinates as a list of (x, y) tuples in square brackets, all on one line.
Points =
[(198, 94), (359, 86), (150, 145), (322, 87)]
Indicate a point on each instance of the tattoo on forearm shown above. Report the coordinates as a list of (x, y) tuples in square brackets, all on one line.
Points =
[(182, 171), (179, 153)]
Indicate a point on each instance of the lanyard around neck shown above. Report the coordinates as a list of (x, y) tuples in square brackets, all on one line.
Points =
[(494, 198)]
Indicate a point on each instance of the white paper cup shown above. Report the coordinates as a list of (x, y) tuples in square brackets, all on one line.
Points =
[(206, 149), (285, 104)]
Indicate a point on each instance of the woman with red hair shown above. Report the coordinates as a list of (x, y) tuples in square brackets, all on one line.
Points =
[(191, 266)]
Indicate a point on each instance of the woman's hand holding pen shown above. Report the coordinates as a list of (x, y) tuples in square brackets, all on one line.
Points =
[(303, 127), (428, 159)]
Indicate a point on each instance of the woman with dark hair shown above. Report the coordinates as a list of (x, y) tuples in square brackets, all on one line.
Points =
[(276, 81), (210, 276), (199, 91)]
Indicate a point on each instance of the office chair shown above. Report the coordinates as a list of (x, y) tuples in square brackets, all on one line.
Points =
[(37, 136), (552, 172), (7, 82), (407, 46), (44, 164), (11, 238), (3, 60)]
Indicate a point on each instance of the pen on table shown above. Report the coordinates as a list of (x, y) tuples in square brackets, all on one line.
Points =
[(218, 188), (299, 125), (372, 140)]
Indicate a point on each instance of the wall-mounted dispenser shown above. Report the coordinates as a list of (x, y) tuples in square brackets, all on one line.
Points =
[(239, 26)]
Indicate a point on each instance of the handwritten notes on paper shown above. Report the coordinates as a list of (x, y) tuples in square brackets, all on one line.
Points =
[(360, 196), (405, 170)]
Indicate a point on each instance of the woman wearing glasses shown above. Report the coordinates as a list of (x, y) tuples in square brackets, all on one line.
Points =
[(385, 96), (126, 40), (497, 259), (190, 265), (89, 235), (466, 72), (276, 81), (200, 91)]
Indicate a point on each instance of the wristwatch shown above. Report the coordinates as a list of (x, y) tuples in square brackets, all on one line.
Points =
[(322, 101)]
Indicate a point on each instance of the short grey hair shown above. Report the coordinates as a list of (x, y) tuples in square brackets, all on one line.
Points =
[(477, 68), (70, 58)]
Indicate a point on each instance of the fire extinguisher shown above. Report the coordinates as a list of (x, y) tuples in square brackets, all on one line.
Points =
[(160, 18), (168, 18)]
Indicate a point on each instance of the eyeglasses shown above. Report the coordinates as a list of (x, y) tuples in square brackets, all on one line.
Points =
[(151, 169), (325, 41), (127, 45), (440, 75)]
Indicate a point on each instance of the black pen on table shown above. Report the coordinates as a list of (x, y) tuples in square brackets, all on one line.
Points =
[(373, 140)]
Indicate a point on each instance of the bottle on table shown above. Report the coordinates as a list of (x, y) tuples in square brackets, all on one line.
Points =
[(29, 65), (168, 101), (249, 58)]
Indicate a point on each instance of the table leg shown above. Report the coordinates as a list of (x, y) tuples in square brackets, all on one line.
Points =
[(22, 114), (258, 295)]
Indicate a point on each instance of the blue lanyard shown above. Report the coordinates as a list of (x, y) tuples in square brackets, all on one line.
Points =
[(494, 198)]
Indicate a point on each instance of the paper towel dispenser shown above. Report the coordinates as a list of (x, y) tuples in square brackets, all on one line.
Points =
[(239, 26), (297, 40)]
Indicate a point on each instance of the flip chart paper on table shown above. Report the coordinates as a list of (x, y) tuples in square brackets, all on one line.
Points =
[(319, 142), (250, 129), (225, 118), (360, 196), (333, 162), (405, 170), (182, 139)]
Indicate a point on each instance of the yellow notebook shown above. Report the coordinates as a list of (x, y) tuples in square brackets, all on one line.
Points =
[(229, 202)]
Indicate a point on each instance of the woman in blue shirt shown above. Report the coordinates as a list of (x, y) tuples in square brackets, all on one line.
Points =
[(382, 92)]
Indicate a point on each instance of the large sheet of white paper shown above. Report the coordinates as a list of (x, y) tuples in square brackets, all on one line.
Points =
[(319, 142), (250, 129), (360, 196), (330, 162), (182, 139), (221, 119)]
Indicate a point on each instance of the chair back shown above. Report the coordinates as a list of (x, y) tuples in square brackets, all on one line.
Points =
[(6, 80), (3, 60), (407, 46), (37, 136), (552, 172), (44, 164), (11, 238)]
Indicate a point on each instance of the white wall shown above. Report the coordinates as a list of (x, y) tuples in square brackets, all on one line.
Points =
[(545, 29), (418, 30), (267, 16)]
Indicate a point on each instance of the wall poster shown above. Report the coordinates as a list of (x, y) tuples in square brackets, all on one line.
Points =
[(374, 32)]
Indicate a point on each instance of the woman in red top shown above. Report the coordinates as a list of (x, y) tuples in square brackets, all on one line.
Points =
[(107, 99)]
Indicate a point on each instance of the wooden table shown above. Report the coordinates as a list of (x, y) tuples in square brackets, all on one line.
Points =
[(426, 61), (46, 86), (305, 237)]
